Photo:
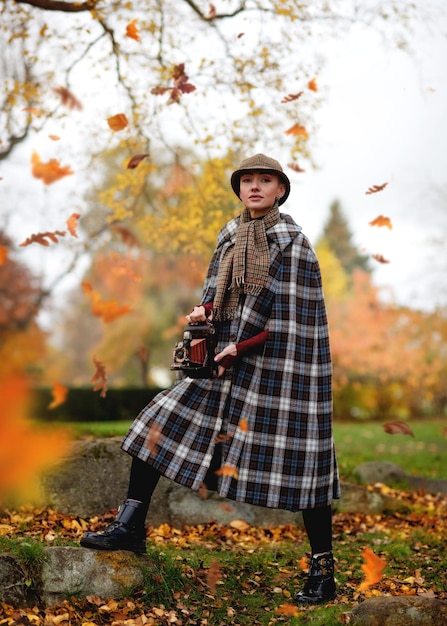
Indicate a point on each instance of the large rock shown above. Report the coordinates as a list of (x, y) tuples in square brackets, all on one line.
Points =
[(68, 571), (390, 474), (400, 611)]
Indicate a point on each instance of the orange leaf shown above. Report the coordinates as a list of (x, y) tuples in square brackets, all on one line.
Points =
[(49, 172), (59, 393), (379, 258), (243, 425), (3, 254), (312, 84), (296, 168), (297, 130), (72, 224), (54, 137), (132, 30), (375, 189), (291, 610), (31, 110), (397, 428), (108, 310), (373, 569), (136, 160), (67, 98), (291, 97), (381, 220), (153, 437), (212, 12), (127, 237), (100, 377), (303, 564), (214, 575), (42, 238), (118, 122), (228, 470)]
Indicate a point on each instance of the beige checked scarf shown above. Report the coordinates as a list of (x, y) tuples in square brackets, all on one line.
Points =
[(245, 266)]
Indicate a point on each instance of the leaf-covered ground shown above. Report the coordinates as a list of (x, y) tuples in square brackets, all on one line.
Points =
[(212, 574)]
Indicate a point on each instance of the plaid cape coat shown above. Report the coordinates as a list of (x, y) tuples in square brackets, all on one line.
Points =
[(272, 410)]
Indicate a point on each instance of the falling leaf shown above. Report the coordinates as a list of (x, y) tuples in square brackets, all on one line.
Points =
[(118, 122), (49, 172), (127, 237), (54, 137), (373, 569), (222, 437), (107, 310), (214, 575), (240, 35), (291, 610), (291, 97), (136, 160), (132, 30), (228, 470), (397, 428), (312, 84), (3, 254), (100, 377), (59, 393), (203, 491), (41, 238), (31, 110), (181, 85), (67, 98), (296, 168), (72, 223), (297, 130), (379, 258), (376, 188), (381, 220), (243, 425), (212, 12), (153, 437)]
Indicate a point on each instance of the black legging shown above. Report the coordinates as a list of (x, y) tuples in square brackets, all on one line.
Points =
[(144, 478)]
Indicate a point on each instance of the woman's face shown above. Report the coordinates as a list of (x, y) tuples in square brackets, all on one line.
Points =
[(258, 191)]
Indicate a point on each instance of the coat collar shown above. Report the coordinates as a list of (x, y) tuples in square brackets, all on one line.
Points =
[(283, 233)]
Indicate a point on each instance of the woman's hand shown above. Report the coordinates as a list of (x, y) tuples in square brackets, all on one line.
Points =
[(196, 315), (229, 350)]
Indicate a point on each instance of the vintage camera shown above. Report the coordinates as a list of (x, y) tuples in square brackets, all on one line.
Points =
[(194, 355)]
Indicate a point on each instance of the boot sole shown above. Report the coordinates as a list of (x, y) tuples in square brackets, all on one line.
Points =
[(112, 548)]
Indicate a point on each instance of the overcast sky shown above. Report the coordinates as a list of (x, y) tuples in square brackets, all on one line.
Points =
[(383, 119)]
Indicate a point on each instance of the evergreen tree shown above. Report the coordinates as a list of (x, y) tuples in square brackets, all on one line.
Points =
[(339, 238)]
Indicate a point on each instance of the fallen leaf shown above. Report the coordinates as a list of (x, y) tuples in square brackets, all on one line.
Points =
[(291, 610), (380, 221), (397, 428), (132, 30), (117, 122), (375, 189), (297, 130), (72, 224), (136, 160), (59, 394), (373, 569), (214, 575)]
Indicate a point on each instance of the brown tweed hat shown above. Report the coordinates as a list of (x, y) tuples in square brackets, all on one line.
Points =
[(256, 163)]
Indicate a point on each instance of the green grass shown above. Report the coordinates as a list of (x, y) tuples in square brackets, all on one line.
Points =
[(423, 455), (356, 443)]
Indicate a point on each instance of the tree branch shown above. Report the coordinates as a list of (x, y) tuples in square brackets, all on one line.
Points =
[(60, 5)]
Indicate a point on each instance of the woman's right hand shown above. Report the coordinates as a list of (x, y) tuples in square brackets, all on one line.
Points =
[(196, 315)]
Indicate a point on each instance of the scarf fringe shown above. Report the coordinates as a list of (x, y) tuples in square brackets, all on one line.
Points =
[(224, 314)]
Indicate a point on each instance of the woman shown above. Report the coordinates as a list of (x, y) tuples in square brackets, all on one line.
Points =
[(266, 420)]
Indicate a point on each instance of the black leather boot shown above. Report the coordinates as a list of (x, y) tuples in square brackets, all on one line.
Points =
[(320, 585), (126, 532)]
